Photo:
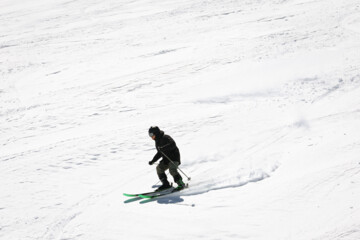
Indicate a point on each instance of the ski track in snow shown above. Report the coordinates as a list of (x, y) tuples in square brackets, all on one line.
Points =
[(261, 97)]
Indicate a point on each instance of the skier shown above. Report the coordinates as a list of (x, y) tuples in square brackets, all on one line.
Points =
[(169, 152)]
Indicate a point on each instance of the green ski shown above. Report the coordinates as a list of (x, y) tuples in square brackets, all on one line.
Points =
[(162, 193)]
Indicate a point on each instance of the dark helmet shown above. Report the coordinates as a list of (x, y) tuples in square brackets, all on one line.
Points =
[(154, 130)]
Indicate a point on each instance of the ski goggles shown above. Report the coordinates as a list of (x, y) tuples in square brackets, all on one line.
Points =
[(151, 134)]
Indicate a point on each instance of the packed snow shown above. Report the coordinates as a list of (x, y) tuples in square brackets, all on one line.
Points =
[(261, 97)]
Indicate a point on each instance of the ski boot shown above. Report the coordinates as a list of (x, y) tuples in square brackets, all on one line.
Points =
[(181, 185), (165, 184), (163, 187)]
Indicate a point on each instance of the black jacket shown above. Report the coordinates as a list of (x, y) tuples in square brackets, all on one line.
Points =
[(165, 145)]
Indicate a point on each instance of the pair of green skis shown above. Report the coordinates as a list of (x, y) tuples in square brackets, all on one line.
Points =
[(155, 194)]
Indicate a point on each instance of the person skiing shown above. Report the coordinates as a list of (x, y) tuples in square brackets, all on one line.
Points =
[(170, 154)]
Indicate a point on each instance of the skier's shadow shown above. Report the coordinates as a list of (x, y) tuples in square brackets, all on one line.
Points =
[(170, 200), (165, 200)]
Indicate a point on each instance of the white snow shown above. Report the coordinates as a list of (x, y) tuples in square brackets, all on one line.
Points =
[(262, 98)]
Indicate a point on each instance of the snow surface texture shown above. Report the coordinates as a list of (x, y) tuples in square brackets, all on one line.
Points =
[(262, 98)]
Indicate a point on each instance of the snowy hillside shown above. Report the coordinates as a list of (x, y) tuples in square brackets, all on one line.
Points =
[(262, 98)]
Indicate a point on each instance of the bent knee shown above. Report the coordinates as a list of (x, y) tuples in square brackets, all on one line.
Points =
[(174, 172)]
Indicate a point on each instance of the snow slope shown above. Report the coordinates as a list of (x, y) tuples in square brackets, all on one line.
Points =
[(262, 98)]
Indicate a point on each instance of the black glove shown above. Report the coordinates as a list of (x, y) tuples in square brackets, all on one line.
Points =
[(151, 162)]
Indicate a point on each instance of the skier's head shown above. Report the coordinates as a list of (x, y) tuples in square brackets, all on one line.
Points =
[(154, 131)]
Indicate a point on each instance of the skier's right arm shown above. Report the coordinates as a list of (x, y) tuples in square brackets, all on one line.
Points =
[(155, 158)]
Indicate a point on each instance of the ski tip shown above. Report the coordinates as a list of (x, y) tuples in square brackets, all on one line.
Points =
[(129, 195)]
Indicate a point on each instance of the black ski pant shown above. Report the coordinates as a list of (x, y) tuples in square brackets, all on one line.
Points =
[(162, 167)]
